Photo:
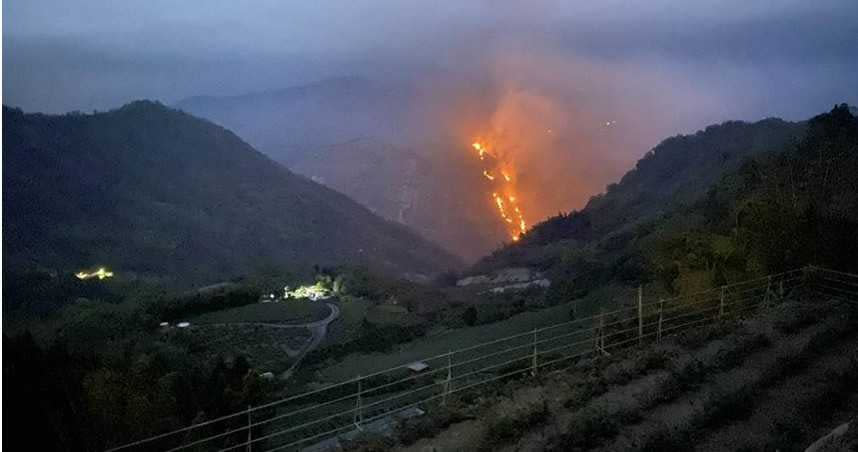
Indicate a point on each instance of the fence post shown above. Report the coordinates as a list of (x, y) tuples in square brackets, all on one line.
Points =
[(449, 379), (358, 420), (768, 290), (596, 333), (660, 317), (640, 314), (533, 363), (249, 431), (721, 310)]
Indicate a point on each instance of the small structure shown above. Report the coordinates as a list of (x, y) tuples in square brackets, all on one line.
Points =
[(183, 324), (267, 375), (417, 366), (164, 324)]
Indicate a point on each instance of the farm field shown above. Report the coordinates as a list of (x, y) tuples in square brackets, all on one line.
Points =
[(778, 380), (290, 311), (440, 342)]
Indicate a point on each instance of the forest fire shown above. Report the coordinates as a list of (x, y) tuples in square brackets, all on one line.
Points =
[(503, 190)]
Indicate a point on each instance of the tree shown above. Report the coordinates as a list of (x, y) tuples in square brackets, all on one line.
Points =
[(470, 316)]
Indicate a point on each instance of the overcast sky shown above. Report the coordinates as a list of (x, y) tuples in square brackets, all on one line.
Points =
[(792, 60), (657, 67)]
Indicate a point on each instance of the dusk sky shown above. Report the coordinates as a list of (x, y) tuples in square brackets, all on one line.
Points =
[(735, 59), (656, 68)]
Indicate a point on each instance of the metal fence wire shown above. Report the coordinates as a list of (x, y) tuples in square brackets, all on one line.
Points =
[(378, 400)]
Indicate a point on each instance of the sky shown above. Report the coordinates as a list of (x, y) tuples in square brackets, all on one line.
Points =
[(787, 58), (649, 69)]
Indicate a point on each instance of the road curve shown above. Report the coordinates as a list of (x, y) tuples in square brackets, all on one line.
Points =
[(318, 330)]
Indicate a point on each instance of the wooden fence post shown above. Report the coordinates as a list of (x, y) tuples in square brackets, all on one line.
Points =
[(534, 362), (249, 431), (596, 333), (448, 382), (359, 405), (640, 314), (660, 318), (768, 290)]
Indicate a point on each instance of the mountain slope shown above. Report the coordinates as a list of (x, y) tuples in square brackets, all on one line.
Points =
[(677, 172), (369, 139), (157, 192), (790, 201), (432, 195)]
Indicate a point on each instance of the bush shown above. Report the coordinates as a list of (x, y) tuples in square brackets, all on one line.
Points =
[(588, 429), (507, 428)]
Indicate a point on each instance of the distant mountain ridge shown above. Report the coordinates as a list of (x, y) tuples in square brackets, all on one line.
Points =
[(284, 123), (350, 133), (154, 191)]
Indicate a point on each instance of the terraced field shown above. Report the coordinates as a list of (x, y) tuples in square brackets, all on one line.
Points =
[(777, 380)]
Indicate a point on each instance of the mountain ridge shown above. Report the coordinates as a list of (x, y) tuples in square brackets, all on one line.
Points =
[(184, 197)]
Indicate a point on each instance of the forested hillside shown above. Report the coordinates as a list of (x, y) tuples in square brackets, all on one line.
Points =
[(732, 201), (156, 193)]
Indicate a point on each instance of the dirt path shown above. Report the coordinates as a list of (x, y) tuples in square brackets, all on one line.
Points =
[(318, 330)]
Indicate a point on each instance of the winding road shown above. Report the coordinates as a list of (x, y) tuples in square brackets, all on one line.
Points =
[(318, 330)]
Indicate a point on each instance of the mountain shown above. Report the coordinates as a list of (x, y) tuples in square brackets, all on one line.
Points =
[(414, 188), (368, 139), (675, 175), (732, 202), (152, 191)]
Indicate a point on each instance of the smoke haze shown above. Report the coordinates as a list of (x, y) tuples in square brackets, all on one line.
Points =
[(574, 92)]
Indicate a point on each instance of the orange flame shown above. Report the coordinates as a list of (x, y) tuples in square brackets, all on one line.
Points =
[(507, 171)]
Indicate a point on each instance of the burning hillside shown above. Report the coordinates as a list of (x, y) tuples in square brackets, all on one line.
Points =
[(499, 173)]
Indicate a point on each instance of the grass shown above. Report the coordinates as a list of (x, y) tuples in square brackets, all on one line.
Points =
[(432, 345), (292, 311), (514, 425)]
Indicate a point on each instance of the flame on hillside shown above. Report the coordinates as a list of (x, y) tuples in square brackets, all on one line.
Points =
[(503, 189)]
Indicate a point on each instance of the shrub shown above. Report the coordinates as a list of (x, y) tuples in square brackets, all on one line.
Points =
[(507, 428), (470, 316), (588, 429)]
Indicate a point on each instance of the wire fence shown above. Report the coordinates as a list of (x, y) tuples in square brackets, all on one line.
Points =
[(376, 402)]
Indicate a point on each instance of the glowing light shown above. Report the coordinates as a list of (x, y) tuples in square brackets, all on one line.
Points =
[(488, 176), (314, 292), (506, 176), (101, 273)]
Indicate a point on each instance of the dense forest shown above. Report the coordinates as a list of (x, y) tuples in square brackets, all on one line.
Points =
[(730, 202)]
